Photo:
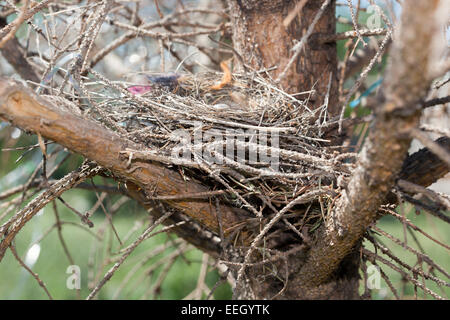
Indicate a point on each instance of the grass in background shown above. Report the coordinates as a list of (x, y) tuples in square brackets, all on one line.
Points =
[(440, 255), (51, 266)]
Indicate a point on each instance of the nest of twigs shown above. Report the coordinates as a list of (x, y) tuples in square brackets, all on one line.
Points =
[(239, 133)]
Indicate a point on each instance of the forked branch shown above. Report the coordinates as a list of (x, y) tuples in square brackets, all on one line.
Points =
[(381, 160)]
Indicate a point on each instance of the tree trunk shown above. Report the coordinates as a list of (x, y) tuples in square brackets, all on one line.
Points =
[(264, 38), (263, 41), (264, 34)]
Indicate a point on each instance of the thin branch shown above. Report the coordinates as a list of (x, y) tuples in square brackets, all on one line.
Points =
[(10, 228), (355, 22), (35, 275), (15, 25), (431, 145), (407, 276), (382, 156), (13, 53), (28, 14), (416, 189), (350, 34), (304, 198), (127, 252), (299, 46)]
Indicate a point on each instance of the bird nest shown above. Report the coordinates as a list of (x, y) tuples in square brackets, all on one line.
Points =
[(253, 144)]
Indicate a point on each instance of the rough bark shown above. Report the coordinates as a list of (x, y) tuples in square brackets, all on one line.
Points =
[(28, 212), (262, 41)]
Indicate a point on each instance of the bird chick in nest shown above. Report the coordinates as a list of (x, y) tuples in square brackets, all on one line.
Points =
[(169, 81), (214, 92)]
